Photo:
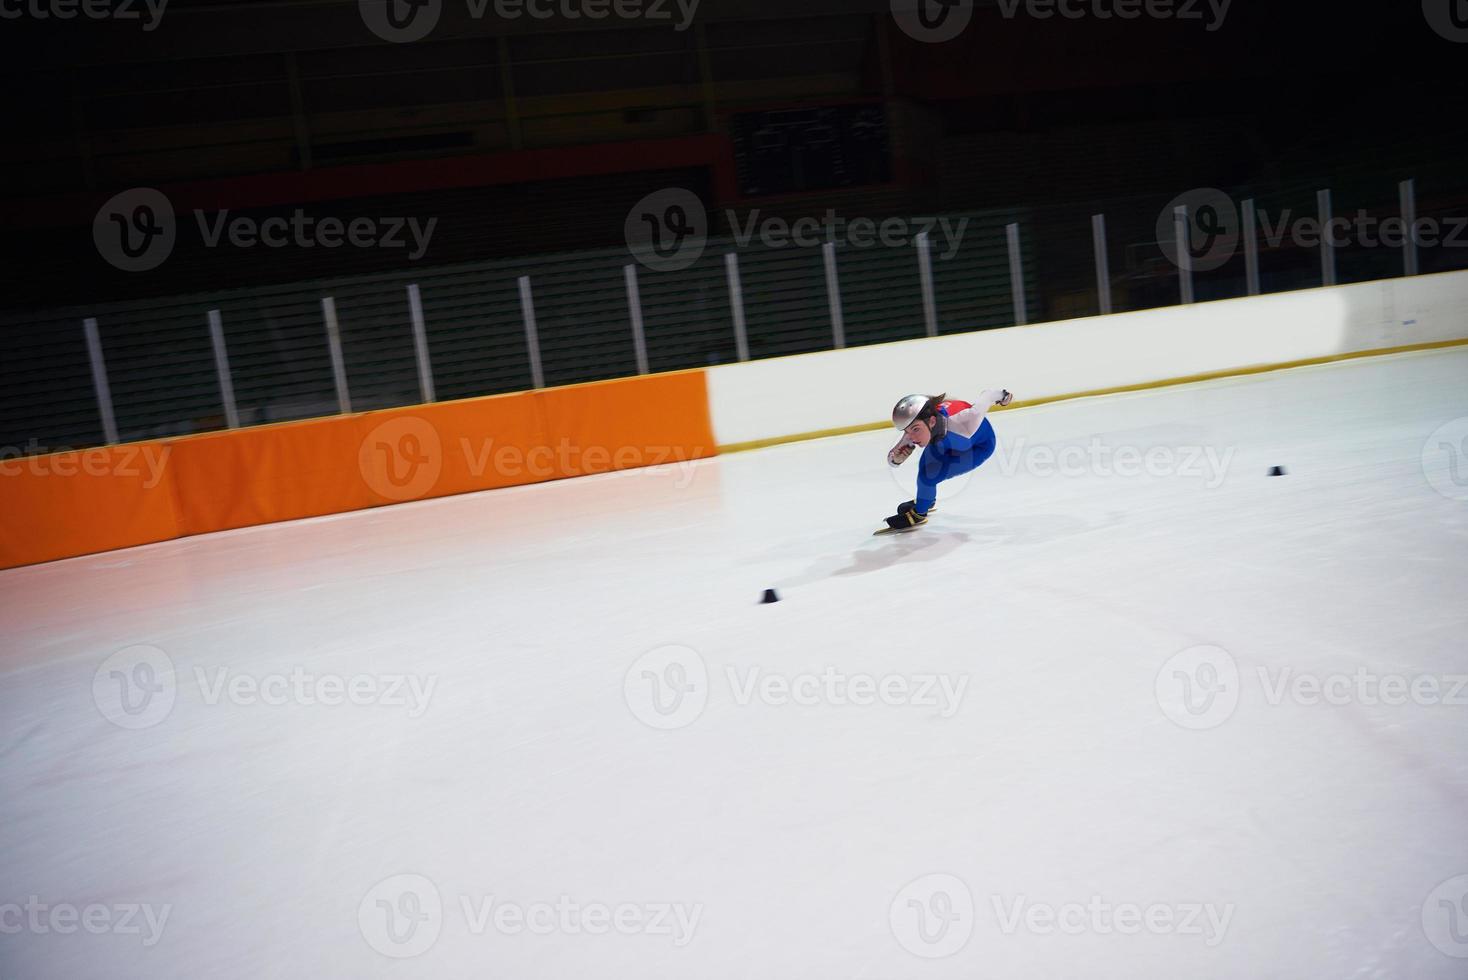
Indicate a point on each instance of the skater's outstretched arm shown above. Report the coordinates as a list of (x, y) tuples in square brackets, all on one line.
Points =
[(967, 422)]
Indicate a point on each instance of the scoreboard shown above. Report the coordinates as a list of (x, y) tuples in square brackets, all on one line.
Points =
[(784, 151)]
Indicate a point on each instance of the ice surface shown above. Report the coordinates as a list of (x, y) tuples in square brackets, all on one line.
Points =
[(1075, 772)]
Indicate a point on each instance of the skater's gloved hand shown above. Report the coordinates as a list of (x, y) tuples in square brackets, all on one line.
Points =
[(900, 452), (1005, 397)]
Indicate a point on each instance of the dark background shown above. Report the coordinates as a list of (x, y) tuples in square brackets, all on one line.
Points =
[(530, 139)]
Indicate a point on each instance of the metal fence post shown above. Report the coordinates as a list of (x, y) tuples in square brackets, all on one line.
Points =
[(634, 306), (833, 293), (1251, 248), (1016, 275), (420, 345), (736, 305), (925, 274), (99, 380), (532, 335), (1103, 261), (221, 367), (338, 364), (1184, 252), (1407, 192), (1327, 244)]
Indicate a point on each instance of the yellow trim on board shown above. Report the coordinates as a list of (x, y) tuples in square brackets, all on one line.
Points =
[(739, 447)]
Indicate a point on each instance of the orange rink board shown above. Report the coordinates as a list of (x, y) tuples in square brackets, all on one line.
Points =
[(88, 501)]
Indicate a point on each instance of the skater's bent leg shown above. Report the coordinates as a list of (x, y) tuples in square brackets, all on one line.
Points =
[(932, 472)]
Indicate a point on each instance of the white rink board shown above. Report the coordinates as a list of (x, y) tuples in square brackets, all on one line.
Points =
[(1323, 833), (788, 396)]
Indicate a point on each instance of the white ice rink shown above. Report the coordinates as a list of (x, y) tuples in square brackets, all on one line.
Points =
[(1094, 722)]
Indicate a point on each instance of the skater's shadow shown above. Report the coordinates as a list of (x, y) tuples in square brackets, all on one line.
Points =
[(931, 544), (914, 547)]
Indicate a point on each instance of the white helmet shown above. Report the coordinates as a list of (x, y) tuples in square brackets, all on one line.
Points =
[(908, 410)]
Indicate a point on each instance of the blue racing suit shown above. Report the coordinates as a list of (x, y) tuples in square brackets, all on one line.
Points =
[(969, 443)]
